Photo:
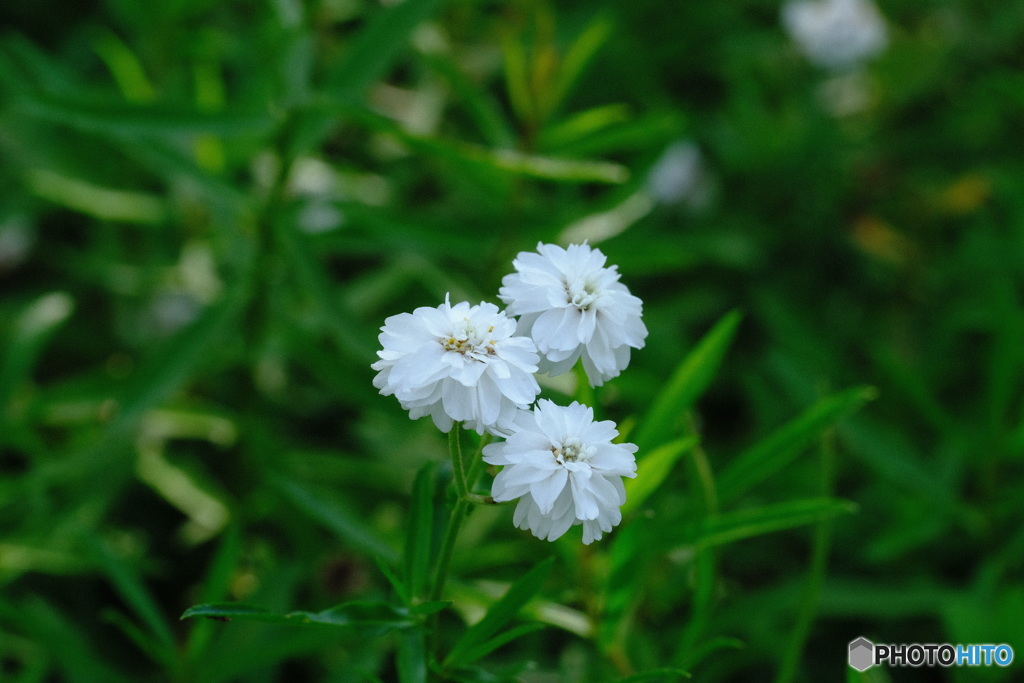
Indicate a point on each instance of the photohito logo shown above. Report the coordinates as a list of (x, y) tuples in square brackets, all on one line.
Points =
[(863, 654)]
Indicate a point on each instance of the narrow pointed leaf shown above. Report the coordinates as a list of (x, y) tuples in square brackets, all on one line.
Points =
[(782, 446), (132, 588), (401, 589), (579, 56), (27, 337), (503, 638), (123, 119), (741, 524), (376, 617), (330, 512), (418, 546), (215, 586), (425, 609), (653, 469), (411, 659), (691, 378), (499, 614), (661, 675), (377, 46)]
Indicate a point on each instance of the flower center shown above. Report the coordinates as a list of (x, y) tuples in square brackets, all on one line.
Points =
[(469, 340), (572, 450), (581, 293)]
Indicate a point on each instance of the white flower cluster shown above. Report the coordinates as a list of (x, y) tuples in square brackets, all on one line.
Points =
[(475, 365)]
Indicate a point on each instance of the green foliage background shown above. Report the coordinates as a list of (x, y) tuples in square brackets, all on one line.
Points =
[(209, 208)]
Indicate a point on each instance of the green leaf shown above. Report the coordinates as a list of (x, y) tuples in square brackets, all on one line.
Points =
[(368, 59), (740, 524), (482, 108), (52, 629), (121, 119), (164, 370), (130, 585), (639, 133), (28, 335), (483, 159), (499, 614), (664, 674), (775, 451), (419, 550), (411, 658), (377, 46), (891, 455), (378, 617), (401, 589), (124, 66), (483, 649), (329, 511), (653, 469), (142, 640), (338, 319), (361, 614), (629, 562), (226, 611), (583, 124), (552, 168), (100, 202), (517, 78), (579, 56), (425, 609), (691, 378), (170, 365), (702, 650), (215, 586)]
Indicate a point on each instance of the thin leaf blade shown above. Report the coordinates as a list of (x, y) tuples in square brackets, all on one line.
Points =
[(748, 523), (772, 453), (691, 378), (652, 471), (418, 546), (499, 614)]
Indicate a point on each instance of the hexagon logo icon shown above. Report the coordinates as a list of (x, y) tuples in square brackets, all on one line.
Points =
[(862, 654)]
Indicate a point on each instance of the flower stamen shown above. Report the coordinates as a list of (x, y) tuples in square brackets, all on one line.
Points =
[(581, 294), (472, 342), (572, 450)]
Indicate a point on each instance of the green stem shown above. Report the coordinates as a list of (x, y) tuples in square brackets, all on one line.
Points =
[(816, 573), (464, 500), (475, 466), (478, 499), (448, 546), (458, 466), (705, 560), (458, 515)]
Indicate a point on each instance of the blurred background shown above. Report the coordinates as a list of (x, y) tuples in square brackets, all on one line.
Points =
[(209, 208)]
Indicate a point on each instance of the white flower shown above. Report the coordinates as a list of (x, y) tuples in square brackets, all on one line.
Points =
[(458, 363), (564, 469), (572, 306), (679, 176), (835, 33)]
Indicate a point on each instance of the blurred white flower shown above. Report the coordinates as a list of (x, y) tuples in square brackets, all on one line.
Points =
[(679, 176), (846, 93), (572, 306), (16, 241), (460, 363), (564, 469), (835, 33)]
